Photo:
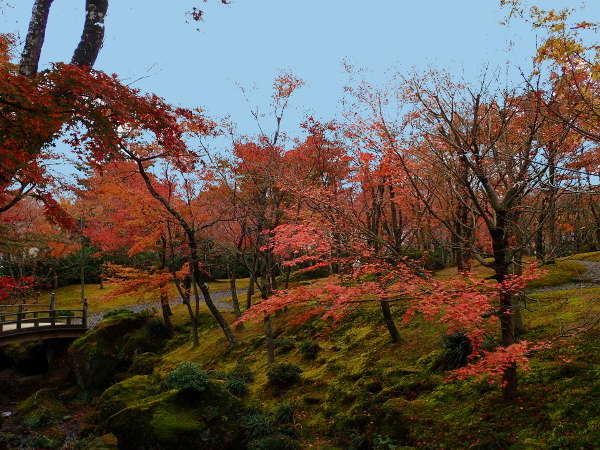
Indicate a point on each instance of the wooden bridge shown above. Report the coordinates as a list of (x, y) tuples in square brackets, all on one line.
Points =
[(33, 322)]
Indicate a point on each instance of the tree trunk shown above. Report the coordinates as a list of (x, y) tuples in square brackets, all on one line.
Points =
[(92, 37), (30, 57), (250, 292), (166, 310), (269, 342), (234, 296), (389, 321), (501, 266)]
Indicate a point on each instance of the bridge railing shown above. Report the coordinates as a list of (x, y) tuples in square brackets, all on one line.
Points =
[(29, 317)]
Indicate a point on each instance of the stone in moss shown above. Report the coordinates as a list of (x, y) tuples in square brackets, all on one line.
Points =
[(180, 419), (120, 395)]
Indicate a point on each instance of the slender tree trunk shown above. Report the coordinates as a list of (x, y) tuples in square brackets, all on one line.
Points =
[(30, 57), (233, 289), (270, 342), (166, 310), (250, 292), (389, 321)]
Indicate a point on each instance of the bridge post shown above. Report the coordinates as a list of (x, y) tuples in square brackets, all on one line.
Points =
[(52, 311), (85, 313), (19, 317)]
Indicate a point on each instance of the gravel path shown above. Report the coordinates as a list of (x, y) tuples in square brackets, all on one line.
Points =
[(95, 319), (590, 279)]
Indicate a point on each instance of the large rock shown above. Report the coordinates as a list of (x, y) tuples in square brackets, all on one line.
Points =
[(178, 419), (127, 392), (111, 346)]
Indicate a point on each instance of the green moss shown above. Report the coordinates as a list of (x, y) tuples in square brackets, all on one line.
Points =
[(109, 348), (561, 272), (175, 420), (591, 256), (127, 392), (41, 409), (144, 363)]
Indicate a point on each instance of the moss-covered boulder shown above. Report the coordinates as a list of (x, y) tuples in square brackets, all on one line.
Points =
[(41, 409), (144, 363), (127, 392), (111, 346), (178, 419)]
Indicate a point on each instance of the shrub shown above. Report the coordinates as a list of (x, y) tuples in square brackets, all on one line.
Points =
[(284, 414), (187, 376), (257, 425), (309, 349), (274, 442), (236, 386), (155, 328), (284, 375), (242, 372), (455, 352), (284, 345)]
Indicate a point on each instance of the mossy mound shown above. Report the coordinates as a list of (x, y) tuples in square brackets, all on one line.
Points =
[(179, 419), (106, 442), (110, 348), (27, 359), (144, 363), (120, 395), (41, 409)]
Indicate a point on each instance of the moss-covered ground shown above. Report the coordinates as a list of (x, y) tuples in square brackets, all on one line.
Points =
[(358, 390)]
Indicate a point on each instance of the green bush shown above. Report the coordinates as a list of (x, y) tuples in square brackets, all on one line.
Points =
[(284, 414), (64, 313), (309, 349), (284, 375), (236, 386), (456, 348), (256, 425), (274, 442), (242, 372), (156, 328), (284, 345), (187, 376)]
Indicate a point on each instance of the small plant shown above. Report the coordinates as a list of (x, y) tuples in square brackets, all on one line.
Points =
[(257, 425), (309, 349), (242, 372), (284, 414), (274, 442), (455, 352), (284, 345), (236, 386), (64, 313), (187, 376), (284, 375), (155, 328)]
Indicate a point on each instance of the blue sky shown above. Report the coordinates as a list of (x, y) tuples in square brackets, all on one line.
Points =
[(250, 41)]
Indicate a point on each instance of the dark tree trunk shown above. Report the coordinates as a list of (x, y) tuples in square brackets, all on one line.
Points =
[(92, 37), (166, 310), (389, 321), (30, 57), (501, 267), (250, 292), (269, 343)]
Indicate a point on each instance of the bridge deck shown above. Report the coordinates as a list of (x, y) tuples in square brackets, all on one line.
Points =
[(27, 322)]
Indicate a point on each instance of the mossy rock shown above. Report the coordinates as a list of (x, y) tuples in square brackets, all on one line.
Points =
[(180, 419), (40, 409), (105, 442), (119, 396), (144, 363), (110, 348)]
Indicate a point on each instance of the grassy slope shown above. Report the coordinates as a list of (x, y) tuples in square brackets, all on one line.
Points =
[(68, 297), (361, 384), (562, 272)]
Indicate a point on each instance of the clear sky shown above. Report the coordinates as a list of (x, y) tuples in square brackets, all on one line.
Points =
[(250, 41)]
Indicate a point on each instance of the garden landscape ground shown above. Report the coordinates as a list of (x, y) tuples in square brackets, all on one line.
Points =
[(420, 269)]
